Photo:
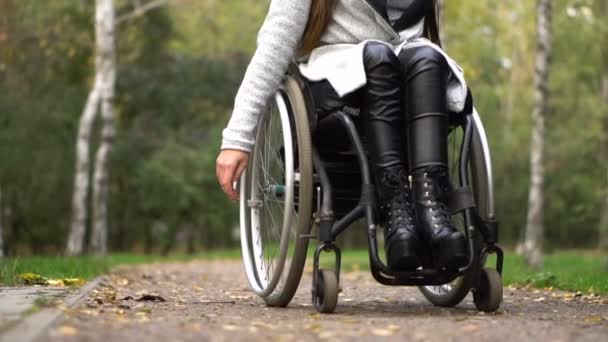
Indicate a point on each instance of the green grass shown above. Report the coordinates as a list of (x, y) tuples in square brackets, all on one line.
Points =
[(566, 270), (88, 267)]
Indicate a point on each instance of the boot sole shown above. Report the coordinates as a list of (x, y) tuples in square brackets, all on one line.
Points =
[(451, 254), (407, 260)]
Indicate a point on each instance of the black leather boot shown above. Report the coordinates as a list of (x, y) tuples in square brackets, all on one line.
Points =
[(426, 73), (448, 244), (382, 115), (401, 240)]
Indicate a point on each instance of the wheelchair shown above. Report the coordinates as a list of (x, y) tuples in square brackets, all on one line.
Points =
[(290, 186)]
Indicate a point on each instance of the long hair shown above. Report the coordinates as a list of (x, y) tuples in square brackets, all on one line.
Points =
[(320, 15), (322, 10), (431, 24)]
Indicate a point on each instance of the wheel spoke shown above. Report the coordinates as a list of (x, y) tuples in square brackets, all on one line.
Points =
[(275, 221)]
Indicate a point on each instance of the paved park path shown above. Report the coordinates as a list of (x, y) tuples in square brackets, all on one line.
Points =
[(203, 301)]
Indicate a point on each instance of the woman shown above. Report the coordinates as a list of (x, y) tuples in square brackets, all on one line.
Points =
[(379, 53)]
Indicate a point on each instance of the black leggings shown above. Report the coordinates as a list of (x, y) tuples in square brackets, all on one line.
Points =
[(403, 106)]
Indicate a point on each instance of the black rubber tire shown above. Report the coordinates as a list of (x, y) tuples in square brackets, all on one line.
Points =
[(282, 296), (325, 297), (489, 292)]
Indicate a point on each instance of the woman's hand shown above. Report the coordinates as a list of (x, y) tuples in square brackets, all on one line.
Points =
[(229, 167)]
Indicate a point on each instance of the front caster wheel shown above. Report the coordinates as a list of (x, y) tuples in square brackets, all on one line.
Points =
[(325, 293), (488, 294)]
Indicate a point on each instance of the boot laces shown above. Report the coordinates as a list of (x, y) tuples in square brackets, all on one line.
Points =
[(437, 207), (399, 212)]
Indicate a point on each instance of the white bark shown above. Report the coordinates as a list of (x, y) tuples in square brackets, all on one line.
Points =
[(81, 181), (1, 226), (102, 94), (105, 30), (603, 228), (141, 9), (533, 243)]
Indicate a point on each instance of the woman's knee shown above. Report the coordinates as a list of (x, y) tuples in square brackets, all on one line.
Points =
[(377, 54), (424, 56)]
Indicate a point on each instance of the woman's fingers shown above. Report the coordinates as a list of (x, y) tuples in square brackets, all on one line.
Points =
[(239, 170), (234, 193), (225, 170), (229, 168), (226, 180)]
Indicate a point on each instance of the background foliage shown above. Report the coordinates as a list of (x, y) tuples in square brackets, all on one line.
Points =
[(179, 68)]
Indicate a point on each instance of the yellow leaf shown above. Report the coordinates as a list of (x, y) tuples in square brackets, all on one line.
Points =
[(67, 330), (593, 319), (54, 282), (389, 330), (73, 281), (32, 279), (470, 328)]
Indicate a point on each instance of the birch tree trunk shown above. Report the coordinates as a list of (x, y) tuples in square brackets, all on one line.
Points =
[(105, 30), (1, 226), (81, 182), (101, 93), (533, 243), (603, 227)]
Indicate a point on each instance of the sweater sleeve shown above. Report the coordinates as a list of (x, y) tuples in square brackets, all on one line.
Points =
[(277, 42)]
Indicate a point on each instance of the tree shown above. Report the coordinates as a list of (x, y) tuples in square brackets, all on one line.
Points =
[(101, 92), (100, 96), (1, 226), (534, 236), (107, 56), (603, 227)]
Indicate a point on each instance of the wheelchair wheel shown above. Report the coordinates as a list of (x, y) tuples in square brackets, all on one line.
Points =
[(325, 295), (480, 178), (276, 199), (488, 293)]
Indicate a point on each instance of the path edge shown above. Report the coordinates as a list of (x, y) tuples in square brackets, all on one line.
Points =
[(35, 326)]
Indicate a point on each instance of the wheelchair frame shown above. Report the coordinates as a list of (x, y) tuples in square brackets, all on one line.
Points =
[(481, 227)]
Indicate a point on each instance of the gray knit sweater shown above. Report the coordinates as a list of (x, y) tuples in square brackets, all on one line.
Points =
[(353, 23), (277, 43)]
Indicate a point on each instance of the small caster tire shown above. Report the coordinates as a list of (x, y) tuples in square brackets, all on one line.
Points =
[(325, 294), (488, 293)]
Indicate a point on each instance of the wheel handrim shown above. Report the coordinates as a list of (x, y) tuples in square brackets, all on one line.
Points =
[(269, 202)]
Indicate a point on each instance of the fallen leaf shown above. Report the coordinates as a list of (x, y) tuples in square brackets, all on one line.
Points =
[(151, 298), (194, 327), (67, 330), (593, 319), (123, 282), (470, 328), (73, 281), (315, 327), (382, 332), (389, 330), (54, 282), (32, 279)]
